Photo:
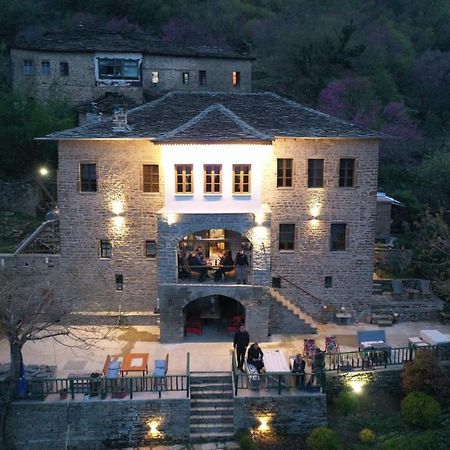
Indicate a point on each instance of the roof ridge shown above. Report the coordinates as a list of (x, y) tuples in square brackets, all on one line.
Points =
[(202, 114)]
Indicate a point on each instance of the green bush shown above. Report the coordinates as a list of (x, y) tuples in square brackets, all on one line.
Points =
[(420, 409), (366, 435), (346, 403), (428, 440), (245, 441), (322, 438)]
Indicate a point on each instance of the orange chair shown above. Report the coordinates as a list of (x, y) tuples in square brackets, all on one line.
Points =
[(235, 323)]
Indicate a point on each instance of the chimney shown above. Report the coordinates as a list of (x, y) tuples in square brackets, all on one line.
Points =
[(120, 121)]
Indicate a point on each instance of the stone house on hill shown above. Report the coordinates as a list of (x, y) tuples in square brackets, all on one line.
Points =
[(295, 188), (84, 65)]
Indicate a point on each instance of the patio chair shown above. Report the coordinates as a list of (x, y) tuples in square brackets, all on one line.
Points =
[(309, 348), (331, 346), (194, 326), (235, 323), (160, 372)]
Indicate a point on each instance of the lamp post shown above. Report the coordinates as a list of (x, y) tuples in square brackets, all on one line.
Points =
[(42, 173)]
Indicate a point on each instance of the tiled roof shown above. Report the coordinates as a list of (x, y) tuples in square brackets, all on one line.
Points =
[(85, 40), (180, 116), (107, 103)]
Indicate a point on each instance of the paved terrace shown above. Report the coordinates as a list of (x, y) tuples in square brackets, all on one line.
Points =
[(204, 356)]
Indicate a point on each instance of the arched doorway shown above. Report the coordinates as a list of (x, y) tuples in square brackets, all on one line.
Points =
[(213, 318)]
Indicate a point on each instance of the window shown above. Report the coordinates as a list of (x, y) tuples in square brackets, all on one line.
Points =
[(45, 68), (284, 172), (202, 77), (346, 173), (338, 237), (315, 173), (185, 77), (241, 178), (88, 178), (64, 69), (183, 179), (155, 77), (119, 282), (286, 236), (150, 249), (213, 178), (151, 177), (236, 79), (27, 67), (105, 249), (118, 69), (328, 282)]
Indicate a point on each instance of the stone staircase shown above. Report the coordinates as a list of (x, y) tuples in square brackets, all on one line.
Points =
[(294, 320), (211, 407)]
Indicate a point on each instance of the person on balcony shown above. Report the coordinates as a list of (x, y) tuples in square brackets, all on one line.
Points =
[(241, 267), (298, 368), (226, 265), (255, 357), (197, 265)]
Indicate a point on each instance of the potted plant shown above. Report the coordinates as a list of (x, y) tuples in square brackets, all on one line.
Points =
[(63, 394)]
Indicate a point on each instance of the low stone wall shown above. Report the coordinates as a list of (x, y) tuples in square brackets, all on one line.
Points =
[(96, 424), (292, 414)]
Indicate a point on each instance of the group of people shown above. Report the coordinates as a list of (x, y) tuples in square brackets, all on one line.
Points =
[(198, 263), (255, 355), (317, 368)]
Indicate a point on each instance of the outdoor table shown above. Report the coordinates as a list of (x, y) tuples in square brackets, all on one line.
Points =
[(416, 342), (275, 363), (135, 362)]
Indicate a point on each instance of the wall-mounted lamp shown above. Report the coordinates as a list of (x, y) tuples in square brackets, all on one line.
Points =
[(171, 218), (170, 302), (314, 211), (153, 428), (357, 386), (117, 207), (264, 423), (259, 217)]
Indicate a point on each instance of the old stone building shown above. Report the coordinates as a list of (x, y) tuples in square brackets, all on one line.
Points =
[(294, 188), (84, 65)]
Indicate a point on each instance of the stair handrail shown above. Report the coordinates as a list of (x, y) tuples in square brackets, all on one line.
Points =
[(27, 241), (188, 374), (301, 289)]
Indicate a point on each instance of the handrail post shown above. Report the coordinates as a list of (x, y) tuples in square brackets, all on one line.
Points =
[(188, 375), (72, 389), (130, 383)]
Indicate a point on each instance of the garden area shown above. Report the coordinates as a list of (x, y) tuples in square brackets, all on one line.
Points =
[(416, 416)]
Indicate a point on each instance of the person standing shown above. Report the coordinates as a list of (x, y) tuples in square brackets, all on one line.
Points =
[(298, 368), (241, 267), (240, 344)]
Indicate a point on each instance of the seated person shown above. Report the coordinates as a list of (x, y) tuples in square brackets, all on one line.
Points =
[(298, 368), (255, 357), (196, 264), (226, 265)]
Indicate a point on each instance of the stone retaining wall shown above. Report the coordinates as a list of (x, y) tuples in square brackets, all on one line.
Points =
[(96, 424), (18, 196)]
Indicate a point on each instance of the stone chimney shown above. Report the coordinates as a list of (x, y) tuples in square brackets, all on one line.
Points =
[(120, 121)]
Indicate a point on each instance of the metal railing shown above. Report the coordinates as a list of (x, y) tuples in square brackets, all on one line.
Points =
[(192, 274), (272, 382), (373, 358)]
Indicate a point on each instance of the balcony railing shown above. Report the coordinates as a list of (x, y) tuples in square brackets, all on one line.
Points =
[(209, 273)]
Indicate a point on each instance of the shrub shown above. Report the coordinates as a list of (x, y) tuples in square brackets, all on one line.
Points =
[(420, 409), (366, 435), (245, 441), (424, 374), (322, 438), (428, 440), (346, 403)]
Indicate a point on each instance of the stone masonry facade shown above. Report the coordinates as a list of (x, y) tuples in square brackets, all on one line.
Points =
[(87, 218), (80, 85)]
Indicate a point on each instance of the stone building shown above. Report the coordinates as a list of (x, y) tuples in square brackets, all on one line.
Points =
[(84, 65), (295, 188)]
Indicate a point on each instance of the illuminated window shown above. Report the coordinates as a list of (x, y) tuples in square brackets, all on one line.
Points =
[(119, 282), (286, 240), (284, 172), (183, 179), (151, 177), (64, 69), (236, 79), (150, 249), (118, 69), (346, 173), (185, 77), (28, 67), (105, 249), (315, 173), (212, 178), (328, 282), (88, 178), (241, 178), (338, 237), (45, 68), (202, 77), (155, 77)]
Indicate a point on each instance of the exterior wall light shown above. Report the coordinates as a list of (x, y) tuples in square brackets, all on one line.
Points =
[(117, 207), (356, 386), (315, 211), (153, 428), (264, 423), (259, 217), (43, 171), (171, 218)]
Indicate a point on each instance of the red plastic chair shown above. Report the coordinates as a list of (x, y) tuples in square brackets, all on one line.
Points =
[(235, 323), (194, 326)]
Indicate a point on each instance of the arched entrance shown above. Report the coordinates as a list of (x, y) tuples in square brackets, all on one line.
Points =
[(212, 318)]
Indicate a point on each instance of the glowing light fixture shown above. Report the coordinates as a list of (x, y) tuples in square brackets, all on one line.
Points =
[(315, 211), (117, 207), (264, 423), (43, 171), (171, 218), (153, 428), (357, 386), (259, 217)]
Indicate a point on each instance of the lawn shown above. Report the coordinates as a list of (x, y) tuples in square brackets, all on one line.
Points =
[(14, 228)]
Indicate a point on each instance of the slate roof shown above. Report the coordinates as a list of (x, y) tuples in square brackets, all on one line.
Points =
[(85, 40), (207, 116)]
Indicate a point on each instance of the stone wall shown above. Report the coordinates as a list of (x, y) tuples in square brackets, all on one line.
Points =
[(292, 414), (96, 424), (80, 86), (351, 270), (31, 267), (18, 196)]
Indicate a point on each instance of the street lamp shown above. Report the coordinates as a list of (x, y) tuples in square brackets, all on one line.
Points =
[(42, 173)]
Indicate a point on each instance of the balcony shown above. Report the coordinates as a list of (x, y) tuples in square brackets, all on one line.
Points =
[(210, 274)]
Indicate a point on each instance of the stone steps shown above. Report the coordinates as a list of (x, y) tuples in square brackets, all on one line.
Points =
[(212, 419)]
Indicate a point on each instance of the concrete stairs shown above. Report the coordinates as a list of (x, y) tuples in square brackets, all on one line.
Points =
[(211, 408), (292, 319)]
